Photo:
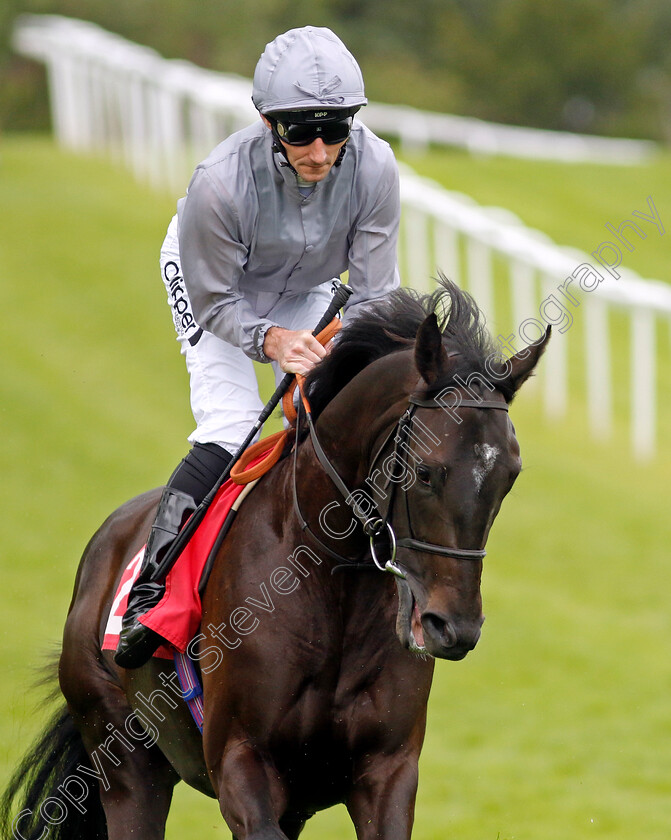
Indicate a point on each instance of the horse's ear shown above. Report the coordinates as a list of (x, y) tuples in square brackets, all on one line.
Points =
[(522, 364), (430, 355)]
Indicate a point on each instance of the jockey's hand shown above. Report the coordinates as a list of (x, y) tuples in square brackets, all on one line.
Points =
[(297, 351)]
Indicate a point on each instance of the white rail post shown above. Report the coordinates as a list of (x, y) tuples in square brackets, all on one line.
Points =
[(205, 134), (598, 366), (479, 270), (446, 250), (523, 303), (522, 291), (138, 131), (154, 150), (416, 241), (115, 115), (555, 364), (100, 128), (643, 375), (64, 103), (170, 141)]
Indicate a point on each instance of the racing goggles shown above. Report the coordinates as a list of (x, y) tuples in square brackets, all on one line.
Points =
[(332, 131)]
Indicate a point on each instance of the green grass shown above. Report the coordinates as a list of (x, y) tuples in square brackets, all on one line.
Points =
[(557, 725)]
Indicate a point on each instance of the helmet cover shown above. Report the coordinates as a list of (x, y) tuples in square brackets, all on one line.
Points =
[(307, 69)]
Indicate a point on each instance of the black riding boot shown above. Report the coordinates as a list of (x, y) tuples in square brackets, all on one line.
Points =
[(136, 642), (187, 487)]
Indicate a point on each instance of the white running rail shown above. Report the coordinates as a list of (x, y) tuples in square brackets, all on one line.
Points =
[(159, 117)]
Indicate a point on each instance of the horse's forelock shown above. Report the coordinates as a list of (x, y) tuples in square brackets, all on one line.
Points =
[(391, 324), (467, 341)]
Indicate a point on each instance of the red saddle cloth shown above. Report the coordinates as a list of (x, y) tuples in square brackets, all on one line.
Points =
[(177, 615)]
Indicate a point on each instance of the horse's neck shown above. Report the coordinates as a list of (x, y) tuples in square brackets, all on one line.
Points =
[(359, 415), (349, 431)]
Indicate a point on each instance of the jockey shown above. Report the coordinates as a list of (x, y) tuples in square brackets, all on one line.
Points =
[(270, 217)]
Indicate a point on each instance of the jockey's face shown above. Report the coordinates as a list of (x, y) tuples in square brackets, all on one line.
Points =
[(314, 161)]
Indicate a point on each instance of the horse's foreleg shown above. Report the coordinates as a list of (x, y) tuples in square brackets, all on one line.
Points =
[(382, 803), (292, 825), (251, 795)]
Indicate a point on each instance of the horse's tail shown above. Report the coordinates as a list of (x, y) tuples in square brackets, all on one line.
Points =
[(50, 796)]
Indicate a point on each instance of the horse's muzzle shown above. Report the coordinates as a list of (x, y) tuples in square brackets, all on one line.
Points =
[(431, 632), (447, 638)]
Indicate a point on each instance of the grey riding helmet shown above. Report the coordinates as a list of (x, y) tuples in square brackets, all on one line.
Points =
[(308, 84)]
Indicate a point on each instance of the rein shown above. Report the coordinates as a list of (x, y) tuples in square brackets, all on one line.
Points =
[(374, 524), (273, 446)]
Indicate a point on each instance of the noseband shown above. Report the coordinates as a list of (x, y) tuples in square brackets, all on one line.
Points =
[(377, 526)]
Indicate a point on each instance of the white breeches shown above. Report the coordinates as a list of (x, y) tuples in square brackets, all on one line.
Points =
[(224, 392)]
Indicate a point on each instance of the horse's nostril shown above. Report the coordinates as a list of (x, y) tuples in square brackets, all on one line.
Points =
[(441, 630)]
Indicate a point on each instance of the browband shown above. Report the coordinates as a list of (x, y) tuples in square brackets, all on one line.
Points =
[(433, 403)]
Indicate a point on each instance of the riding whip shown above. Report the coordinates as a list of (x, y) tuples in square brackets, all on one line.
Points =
[(339, 299)]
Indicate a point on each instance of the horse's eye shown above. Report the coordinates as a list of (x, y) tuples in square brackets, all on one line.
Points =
[(423, 473)]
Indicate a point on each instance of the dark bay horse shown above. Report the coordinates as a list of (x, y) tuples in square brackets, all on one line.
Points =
[(316, 678)]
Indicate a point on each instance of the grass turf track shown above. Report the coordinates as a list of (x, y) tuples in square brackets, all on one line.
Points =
[(557, 725)]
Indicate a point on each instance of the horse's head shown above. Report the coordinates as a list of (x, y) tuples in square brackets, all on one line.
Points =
[(434, 453), (455, 459)]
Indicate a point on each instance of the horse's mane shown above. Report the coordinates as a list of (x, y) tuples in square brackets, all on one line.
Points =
[(390, 324)]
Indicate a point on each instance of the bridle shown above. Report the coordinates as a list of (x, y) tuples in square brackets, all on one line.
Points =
[(376, 525)]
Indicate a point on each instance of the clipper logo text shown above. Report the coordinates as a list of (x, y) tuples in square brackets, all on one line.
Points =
[(185, 323)]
